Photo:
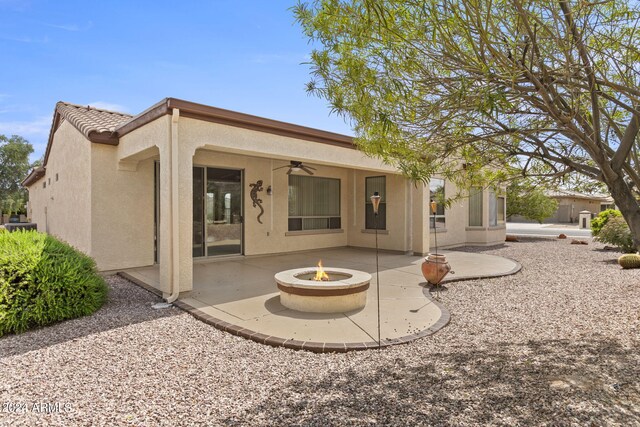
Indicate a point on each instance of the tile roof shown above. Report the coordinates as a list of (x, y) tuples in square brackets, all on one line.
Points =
[(88, 119), (569, 193)]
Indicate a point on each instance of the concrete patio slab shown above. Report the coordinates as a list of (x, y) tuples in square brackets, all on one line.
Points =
[(239, 295)]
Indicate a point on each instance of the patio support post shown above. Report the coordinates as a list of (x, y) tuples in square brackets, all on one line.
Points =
[(175, 215), (420, 219), (176, 204), (165, 235)]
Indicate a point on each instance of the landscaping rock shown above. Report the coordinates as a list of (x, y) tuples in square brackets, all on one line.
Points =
[(562, 236), (556, 344)]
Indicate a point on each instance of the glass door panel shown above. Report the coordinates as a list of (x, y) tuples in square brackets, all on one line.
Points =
[(198, 212), (223, 207)]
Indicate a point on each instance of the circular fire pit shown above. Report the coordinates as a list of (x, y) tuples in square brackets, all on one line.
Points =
[(343, 289)]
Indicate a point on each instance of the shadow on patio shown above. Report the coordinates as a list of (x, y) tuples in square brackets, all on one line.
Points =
[(239, 295)]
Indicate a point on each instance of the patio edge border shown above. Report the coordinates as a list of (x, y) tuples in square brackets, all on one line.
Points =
[(514, 270), (313, 346)]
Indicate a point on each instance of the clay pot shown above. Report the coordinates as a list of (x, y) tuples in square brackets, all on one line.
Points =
[(435, 267)]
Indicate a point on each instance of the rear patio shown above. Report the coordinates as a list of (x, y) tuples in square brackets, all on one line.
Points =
[(239, 295)]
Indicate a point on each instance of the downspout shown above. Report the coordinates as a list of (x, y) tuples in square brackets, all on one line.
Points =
[(175, 223)]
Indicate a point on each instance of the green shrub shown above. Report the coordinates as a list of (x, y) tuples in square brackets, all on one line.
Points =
[(43, 280), (616, 232), (599, 221)]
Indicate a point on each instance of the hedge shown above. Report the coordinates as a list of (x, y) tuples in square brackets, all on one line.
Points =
[(44, 280)]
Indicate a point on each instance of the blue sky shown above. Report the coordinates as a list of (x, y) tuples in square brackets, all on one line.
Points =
[(245, 56)]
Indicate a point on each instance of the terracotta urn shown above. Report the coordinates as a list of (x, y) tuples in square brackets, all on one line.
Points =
[(435, 267)]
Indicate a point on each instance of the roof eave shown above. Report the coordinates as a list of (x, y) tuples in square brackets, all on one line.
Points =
[(34, 176), (197, 111), (108, 138)]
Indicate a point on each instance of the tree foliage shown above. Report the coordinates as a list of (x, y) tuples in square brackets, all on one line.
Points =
[(544, 88), (530, 201), (14, 167)]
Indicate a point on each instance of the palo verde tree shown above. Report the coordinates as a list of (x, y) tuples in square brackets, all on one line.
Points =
[(544, 88)]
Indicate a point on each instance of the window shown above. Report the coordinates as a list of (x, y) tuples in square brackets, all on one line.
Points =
[(496, 209), (373, 184), (436, 194), (314, 203), (475, 207)]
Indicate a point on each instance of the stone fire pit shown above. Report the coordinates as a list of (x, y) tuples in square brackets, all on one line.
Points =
[(342, 290)]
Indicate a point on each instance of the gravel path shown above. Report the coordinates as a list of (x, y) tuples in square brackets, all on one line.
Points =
[(556, 344)]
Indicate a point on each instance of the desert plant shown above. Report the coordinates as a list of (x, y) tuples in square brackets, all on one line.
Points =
[(599, 221), (616, 232), (43, 280), (629, 261)]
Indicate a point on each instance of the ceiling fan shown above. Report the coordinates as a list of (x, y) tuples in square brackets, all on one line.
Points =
[(295, 166)]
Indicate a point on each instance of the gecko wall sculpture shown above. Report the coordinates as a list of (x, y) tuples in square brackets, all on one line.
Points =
[(257, 202)]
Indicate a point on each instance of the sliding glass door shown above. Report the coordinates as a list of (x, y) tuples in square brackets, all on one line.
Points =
[(217, 211)]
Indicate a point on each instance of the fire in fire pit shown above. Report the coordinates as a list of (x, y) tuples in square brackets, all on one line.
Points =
[(321, 275)]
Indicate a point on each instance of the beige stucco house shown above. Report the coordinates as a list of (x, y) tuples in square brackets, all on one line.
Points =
[(570, 204), (183, 181)]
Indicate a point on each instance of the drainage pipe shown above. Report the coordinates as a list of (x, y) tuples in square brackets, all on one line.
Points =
[(174, 252)]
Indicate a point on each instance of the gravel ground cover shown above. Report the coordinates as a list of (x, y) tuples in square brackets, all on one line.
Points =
[(556, 344)]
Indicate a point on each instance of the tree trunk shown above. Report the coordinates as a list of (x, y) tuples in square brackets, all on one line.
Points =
[(628, 205)]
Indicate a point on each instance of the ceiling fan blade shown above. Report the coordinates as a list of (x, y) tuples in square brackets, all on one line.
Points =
[(281, 167), (306, 169), (310, 167), (289, 171)]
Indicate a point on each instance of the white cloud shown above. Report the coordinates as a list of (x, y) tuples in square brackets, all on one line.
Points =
[(72, 27), (36, 128), (103, 105)]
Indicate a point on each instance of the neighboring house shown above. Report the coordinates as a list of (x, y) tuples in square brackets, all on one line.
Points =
[(181, 181), (571, 203)]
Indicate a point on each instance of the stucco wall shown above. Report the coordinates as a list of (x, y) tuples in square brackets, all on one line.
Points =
[(456, 217), (122, 203), (202, 134), (123, 197), (485, 234), (272, 235), (394, 237), (63, 208), (571, 208), (456, 231)]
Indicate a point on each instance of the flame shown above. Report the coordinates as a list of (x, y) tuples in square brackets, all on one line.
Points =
[(320, 276)]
